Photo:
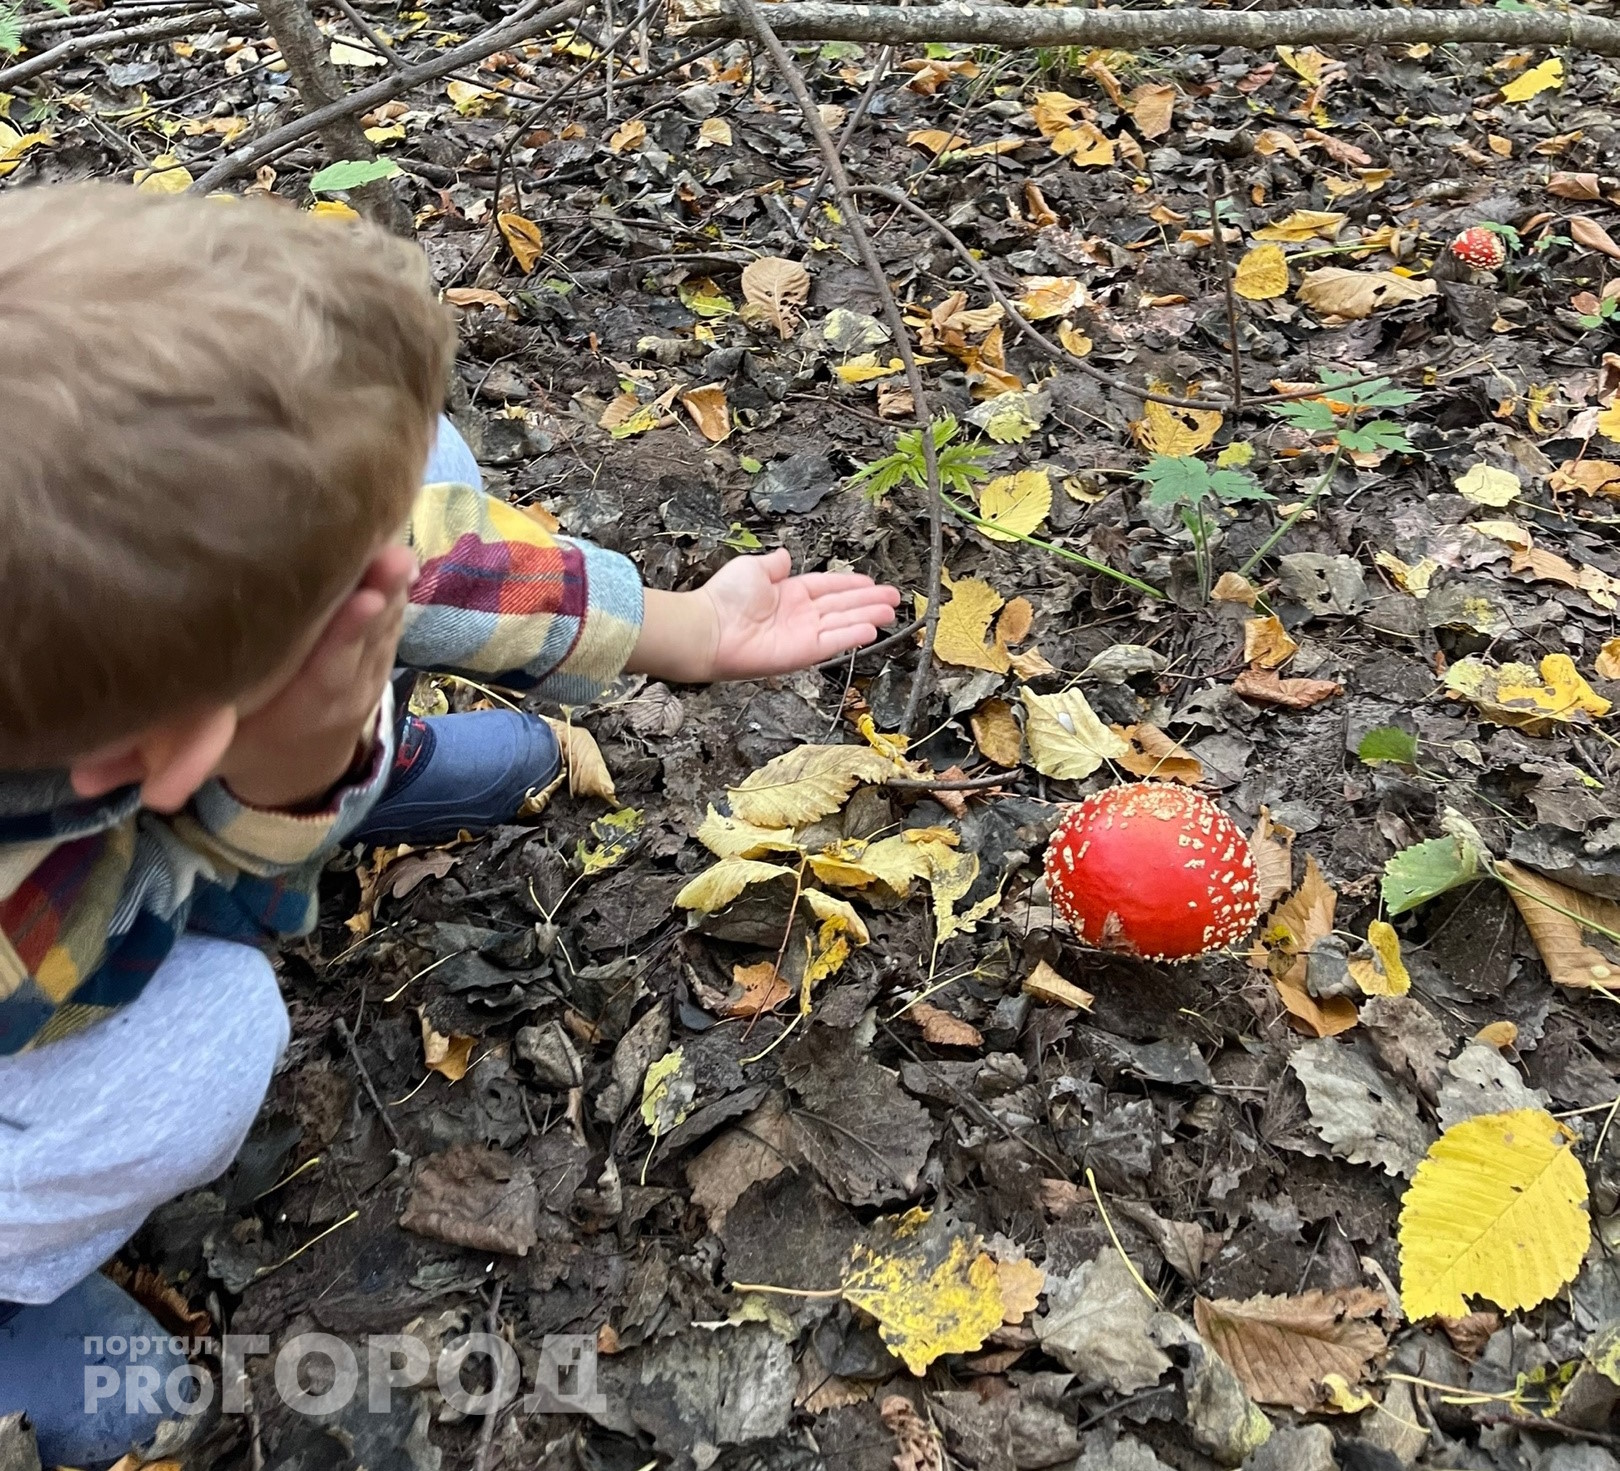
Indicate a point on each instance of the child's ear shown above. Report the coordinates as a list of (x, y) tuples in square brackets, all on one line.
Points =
[(170, 761)]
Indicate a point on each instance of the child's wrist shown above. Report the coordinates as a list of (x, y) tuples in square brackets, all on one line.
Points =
[(679, 639)]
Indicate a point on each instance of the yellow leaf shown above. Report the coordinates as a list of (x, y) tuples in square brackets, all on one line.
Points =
[(346, 53), (1267, 643), (1052, 296), (840, 912), (165, 176), (667, 1092), (1496, 1210), (704, 299), (391, 133), (468, 99), (1016, 503), (707, 407), (450, 1056), (777, 287), (1509, 533), (962, 637), (523, 239), (1052, 111), (627, 135), (1608, 421), (1066, 739), (1336, 292), (1485, 485), (1558, 919), (1230, 588), (1413, 578), (1084, 144), (866, 367), (996, 733), (1302, 919), (927, 1301), (1045, 984), (762, 989), (714, 132), (806, 783), (716, 887), (1303, 225), (1262, 274), (614, 835), (1074, 341), (731, 837), (1608, 660), (1010, 421), (1514, 695), (1163, 430), (13, 145), (1538, 79), (936, 140), (1386, 973), (333, 209)]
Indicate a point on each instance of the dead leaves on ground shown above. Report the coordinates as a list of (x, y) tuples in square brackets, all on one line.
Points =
[(1282, 1348)]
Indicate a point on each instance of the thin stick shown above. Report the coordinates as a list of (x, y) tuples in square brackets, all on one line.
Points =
[(1218, 232), (1113, 1235), (523, 26), (366, 29), (834, 164), (153, 30), (486, 1435), (370, 1087)]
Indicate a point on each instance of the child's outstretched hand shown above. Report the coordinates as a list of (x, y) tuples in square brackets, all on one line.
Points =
[(753, 618)]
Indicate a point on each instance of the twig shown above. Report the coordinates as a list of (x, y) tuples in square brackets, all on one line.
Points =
[(366, 29), (152, 30), (521, 27), (486, 1435), (1136, 30), (899, 636), (370, 1087), (879, 71), (953, 784), (89, 20), (834, 164), (1218, 233)]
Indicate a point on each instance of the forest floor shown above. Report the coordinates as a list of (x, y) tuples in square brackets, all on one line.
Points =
[(1232, 1128)]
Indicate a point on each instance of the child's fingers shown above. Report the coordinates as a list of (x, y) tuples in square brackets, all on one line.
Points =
[(836, 640), (833, 603), (821, 584)]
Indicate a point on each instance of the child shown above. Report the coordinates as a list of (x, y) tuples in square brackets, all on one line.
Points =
[(215, 546)]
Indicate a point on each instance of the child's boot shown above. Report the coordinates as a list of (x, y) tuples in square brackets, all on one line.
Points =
[(469, 771), (95, 1372)]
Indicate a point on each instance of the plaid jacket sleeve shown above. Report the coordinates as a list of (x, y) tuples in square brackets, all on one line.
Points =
[(500, 598)]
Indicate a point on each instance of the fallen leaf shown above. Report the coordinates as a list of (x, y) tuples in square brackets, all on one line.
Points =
[(917, 1448), (936, 140), (962, 636), (1361, 1112), (759, 1148), (762, 989), (716, 887), (1173, 432), (714, 132), (448, 1056), (777, 287), (523, 239), (1265, 687), (1497, 1210), (667, 1092), (1303, 225), (703, 298), (1273, 849), (707, 406), (1262, 274), (1426, 870), (1154, 754), (1485, 485), (628, 135), (470, 100), (1282, 1348), (866, 369), (1589, 477), (1022, 1284), (1096, 1325), (165, 175), (1231, 588), (1537, 80), (1575, 186), (1515, 695), (1608, 660), (475, 1196), (805, 783), (471, 296), (997, 733), (1302, 919), (1084, 144), (1066, 739), (1052, 296), (1336, 292), (1267, 643), (1045, 984), (1016, 504), (1385, 974), (14, 145), (1586, 231), (347, 53), (942, 1029), (731, 837), (1498, 1034), (1075, 342), (588, 775), (1561, 932), (1152, 107)]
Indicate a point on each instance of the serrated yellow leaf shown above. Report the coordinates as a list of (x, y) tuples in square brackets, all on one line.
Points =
[(1538, 79), (165, 176), (1262, 274), (1010, 421), (1485, 485), (1163, 430), (1497, 1210), (806, 783), (1514, 694), (866, 367), (963, 635), (1066, 739), (523, 239), (1302, 225), (716, 887), (1386, 973), (1016, 503), (731, 837)]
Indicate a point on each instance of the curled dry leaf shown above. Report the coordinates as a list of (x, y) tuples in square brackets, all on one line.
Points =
[(1267, 643), (777, 287), (942, 1029), (1265, 687), (1152, 106), (707, 406), (1608, 660), (1045, 984), (523, 239), (588, 775), (1550, 911), (1302, 919), (1384, 973), (1154, 754), (448, 1056), (997, 733), (1586, 231), (1336, 292), (1283, 1347), (1273, 848), (916, 1447), (1575, 186)]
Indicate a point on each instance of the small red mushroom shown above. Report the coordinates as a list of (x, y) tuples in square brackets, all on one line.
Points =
[(1152, 870), (1482, 249)]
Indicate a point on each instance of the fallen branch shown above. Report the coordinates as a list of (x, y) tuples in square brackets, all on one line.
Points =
[(153, 30), (498, 38), (834, 164), (1005, 25)]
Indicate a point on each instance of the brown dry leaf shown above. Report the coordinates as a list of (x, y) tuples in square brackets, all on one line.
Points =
[(1608, 660), (1593, 236), (916, 1448), (1267, 643), (707, 406), (1152, 106), (163, 1301), (1154, 754), (1545, 566), (1470, 1334), (631, 134), (760, 1147), (1302, 919), (1575, 186), (1022, 1284), (523, 239), (1231, 588), (1273, 848), (1264, 687), (942, 1029), (1590, 477), (1041, 214), (714, 132), (1499, 1035), (1562, 941), (1016, 620), (997, 733), (408, 872), (1336, 292), (762, 989), (588, 775), (777, 287), (470, 296), (1281, 1348), (936, 140), (450, 1056), (475, 1196), (1045, 984)]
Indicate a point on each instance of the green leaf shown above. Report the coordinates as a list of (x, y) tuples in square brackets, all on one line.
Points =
[(1311, 415), (1389, 743), (1377, 435), (1426, 870), (352, 173), (10, 35), (958, 464), (1234, 485), (1176, 480)]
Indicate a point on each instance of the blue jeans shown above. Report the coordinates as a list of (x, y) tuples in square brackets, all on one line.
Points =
[(451, 459)]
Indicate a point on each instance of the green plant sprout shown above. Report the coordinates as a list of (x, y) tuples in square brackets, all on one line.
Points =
[(11, 15), (959, 467), (1190, 487)]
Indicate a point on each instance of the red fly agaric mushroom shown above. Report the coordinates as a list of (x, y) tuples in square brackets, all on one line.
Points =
[(1482, 249), (1152, 870)]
